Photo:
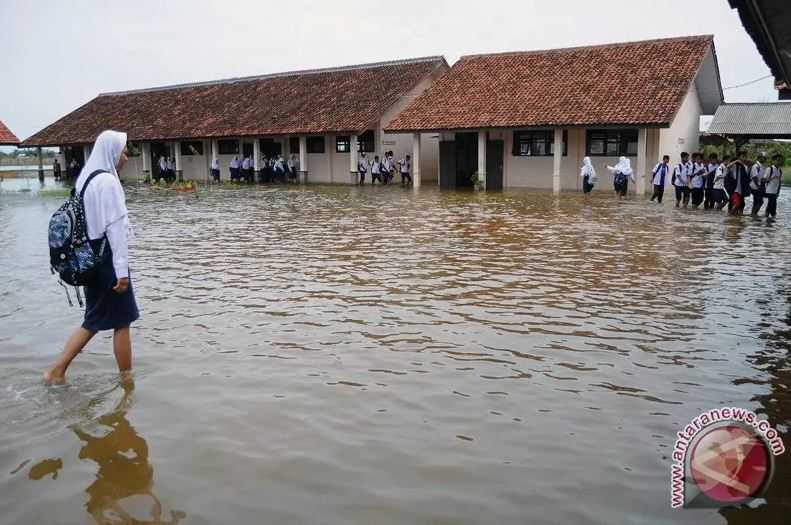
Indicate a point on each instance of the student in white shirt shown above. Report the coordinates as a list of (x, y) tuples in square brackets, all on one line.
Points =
[(405, 166), (215, 170), (362, 168), (757, 184), (588, 175), (621, 173), (279, 168), (233, 167), (171, 169), (774, 178), (659, 173), (718, 196), (387, 168), (698, 179), (246, 168), (163, 167), (680, 181), (376, 170), (711, 169), (110, 301)]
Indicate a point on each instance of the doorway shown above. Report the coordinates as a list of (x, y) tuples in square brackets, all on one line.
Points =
[(494, 165)]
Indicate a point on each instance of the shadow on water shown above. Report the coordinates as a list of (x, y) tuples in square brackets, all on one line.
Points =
[(124, 480)]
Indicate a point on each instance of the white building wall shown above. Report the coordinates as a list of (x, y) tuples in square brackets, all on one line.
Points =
[(132, 171), (536, 172), (684, 131), (195, 167), (319, 164)]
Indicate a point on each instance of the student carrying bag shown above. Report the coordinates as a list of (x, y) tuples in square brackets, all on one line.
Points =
[(70, 253)]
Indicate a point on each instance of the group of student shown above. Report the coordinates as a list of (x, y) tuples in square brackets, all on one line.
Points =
[(713, 183), (167, 168), (273, 169), (384, 170)]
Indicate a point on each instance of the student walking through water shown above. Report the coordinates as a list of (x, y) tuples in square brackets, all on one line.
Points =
[(681, 175), (774, 177), (757, 184), (659, 173), (109, 303), (718, 195), (738, 181), (698, 180), (588, 174), (621, 173)]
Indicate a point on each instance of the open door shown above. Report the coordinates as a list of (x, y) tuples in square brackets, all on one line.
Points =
[(494, 165), (447, 165)]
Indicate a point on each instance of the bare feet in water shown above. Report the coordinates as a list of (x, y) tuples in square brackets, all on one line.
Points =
[(53, 376)]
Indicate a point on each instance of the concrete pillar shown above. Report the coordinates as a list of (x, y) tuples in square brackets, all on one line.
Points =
[(557, 155), (86, 152), (179, 172), (303, 159), (482, 160), (416, 160), (146, 153), (642, 153), (256, 157), (40, 164), (353, 158)]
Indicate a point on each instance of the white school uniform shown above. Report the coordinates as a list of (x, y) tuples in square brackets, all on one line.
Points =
[(756, 174), (659, 171), (105, 201), (719, 177), (774, 176), (682, 172), (698, 170)]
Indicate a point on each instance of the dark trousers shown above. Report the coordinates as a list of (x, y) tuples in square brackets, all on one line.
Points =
[(708, 199), (406, 176), (682, 193), (758, 201), (697, 196), (215, 174), (659, 192), (376, 177), (771, 205)]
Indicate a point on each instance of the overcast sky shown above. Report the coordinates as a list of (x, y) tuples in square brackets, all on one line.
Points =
[(57, 55)]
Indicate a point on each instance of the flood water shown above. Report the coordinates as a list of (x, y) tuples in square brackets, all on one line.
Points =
[(377, 355)]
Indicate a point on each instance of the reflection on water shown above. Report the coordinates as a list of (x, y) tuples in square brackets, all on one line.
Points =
[(123, 471), (378, 355)]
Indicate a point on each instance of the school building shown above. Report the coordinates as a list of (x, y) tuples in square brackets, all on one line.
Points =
[(527, 119), (506, 120), (323, 117)]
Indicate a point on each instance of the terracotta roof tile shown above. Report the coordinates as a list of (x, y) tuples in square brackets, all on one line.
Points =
[(6, 137), (628, 83), (303, 102)]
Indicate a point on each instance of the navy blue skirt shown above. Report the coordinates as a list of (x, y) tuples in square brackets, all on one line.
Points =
[(104, 308)]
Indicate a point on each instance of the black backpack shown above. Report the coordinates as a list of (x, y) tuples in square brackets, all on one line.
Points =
[(71, 255)]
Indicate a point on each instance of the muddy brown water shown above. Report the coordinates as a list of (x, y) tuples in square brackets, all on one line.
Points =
[(377, 355)]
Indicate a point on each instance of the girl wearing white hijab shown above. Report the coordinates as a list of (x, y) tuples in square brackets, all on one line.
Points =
[(622, 172), (109, 304), (588, 174)]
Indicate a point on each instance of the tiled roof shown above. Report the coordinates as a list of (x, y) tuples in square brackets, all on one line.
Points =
[(317, 101), (6, 137), (772, 119), (622, 84)]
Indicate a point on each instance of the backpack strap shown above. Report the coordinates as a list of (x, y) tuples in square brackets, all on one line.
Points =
[(88, 180)]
